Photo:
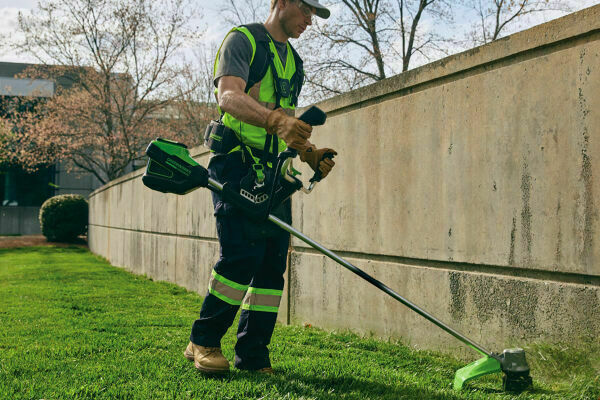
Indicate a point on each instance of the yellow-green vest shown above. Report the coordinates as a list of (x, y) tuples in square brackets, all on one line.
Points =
[(263, 92)]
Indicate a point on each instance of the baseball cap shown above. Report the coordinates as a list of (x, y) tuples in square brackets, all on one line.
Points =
[(322, 11)]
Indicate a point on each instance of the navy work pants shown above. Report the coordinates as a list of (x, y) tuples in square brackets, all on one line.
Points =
[(247, 259)]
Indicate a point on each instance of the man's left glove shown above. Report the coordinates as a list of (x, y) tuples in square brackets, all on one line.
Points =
[(314, 158)]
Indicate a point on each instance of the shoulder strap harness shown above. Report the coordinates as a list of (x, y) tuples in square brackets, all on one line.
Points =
[(262, 59)]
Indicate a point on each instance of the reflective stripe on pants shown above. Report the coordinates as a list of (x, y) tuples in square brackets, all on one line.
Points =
[(227, 290), (266, 300)]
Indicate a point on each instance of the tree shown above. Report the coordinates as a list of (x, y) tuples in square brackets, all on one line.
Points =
[(81, 128), (412, 40), (369, 40), (197, 104), (494, 17), (6, 137), (116, 64), (13, 147), (239, 12)]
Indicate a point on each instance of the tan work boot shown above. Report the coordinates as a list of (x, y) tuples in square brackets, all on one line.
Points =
[(266, 371), (207, 359)]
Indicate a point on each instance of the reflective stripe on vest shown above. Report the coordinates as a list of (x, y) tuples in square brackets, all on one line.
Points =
[(266, 300), (227, 290), (263, 92)]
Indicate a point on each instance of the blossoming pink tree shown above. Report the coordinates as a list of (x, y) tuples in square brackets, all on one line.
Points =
[(118, 84)]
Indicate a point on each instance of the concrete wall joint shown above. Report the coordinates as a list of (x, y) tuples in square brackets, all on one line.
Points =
[(167, 234), (483, 269)]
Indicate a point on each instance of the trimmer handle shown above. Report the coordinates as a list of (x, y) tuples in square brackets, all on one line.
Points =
[(318, 174), (314, 116)]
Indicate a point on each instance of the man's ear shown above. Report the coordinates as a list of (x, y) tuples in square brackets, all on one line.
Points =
[(283, 4)]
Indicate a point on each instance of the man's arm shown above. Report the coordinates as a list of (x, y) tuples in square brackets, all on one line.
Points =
[(233, 100)]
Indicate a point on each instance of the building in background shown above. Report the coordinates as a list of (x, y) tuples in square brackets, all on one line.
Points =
[(22, 193)]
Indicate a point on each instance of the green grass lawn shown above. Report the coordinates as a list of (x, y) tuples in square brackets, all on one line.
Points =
[(72, 326)]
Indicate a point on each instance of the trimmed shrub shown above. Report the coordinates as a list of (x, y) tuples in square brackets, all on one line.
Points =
[(64, 217)]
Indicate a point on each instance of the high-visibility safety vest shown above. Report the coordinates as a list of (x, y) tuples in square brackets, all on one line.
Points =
[(266, 86)]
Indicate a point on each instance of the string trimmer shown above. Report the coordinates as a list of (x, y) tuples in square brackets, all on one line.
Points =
[(170, 169)]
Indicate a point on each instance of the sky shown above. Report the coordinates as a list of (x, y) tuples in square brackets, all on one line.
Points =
[(9, 10)]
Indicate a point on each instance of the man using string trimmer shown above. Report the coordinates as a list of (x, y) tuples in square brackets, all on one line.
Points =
[(258, 76), (251, 179)]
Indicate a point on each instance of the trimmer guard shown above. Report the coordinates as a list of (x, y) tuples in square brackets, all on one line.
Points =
[(483, 366), (512, 362)]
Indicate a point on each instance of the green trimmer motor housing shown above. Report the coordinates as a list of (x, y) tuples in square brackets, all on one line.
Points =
[(170, 168)]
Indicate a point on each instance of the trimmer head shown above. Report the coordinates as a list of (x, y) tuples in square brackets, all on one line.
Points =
[(516, 370), (512, 362)]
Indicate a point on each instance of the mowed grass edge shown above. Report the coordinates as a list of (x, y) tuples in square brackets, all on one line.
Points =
[(75, 327)]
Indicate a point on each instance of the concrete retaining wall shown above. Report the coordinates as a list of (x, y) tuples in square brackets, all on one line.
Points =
[(466, 185)]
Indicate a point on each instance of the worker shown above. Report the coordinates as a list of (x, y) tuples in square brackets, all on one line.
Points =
[(258, 76)]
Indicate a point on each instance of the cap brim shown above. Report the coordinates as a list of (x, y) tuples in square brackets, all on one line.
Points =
[(323, 13), (321, 10)]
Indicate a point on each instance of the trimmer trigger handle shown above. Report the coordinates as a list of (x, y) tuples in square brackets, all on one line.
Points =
[(318, 174), (329, 155)]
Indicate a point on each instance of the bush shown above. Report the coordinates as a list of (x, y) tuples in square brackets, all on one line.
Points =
[(64, 217)]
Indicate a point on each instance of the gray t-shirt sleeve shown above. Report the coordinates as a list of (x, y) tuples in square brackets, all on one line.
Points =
[(234, 57)]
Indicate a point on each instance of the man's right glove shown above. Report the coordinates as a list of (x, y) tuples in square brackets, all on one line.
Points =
[(293, 131), (314, 158)]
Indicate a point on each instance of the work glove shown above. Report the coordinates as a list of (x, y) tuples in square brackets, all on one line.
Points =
[(293, 131), (314, 157)]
